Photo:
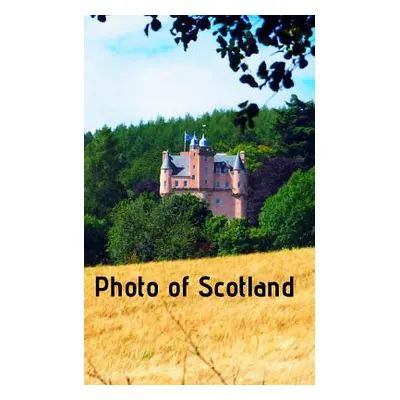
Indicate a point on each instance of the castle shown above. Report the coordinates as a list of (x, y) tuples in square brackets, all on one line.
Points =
[(220, 179)]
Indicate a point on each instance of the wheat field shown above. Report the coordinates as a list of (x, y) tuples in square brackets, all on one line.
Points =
[(198, 340)]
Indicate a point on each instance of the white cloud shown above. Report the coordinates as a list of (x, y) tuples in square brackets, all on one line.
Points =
[(127, 88)]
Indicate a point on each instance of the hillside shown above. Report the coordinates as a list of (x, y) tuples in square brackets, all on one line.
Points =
[(247, 340)]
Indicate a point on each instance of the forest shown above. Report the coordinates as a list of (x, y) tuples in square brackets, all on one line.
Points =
[(126, 221)]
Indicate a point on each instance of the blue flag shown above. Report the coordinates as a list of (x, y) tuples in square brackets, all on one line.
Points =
[(187, 137)]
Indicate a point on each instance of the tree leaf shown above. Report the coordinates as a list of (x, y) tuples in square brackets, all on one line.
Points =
[(252, 110), (247, 78), (262, 71), (155, 25)]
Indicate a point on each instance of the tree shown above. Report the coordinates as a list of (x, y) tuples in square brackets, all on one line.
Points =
[(88, 138), (239, 37), (144, 229), (95, 240), (102, 188), (131, 237), (180, 222), (234, 238), (254, 154), (287, 218), (296, 127), (212, 229), (186, 207), (266, 180)]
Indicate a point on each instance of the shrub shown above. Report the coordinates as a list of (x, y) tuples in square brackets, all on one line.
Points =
[(287, 218)]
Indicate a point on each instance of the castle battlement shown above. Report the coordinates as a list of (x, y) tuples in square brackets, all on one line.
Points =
[(218, 178)]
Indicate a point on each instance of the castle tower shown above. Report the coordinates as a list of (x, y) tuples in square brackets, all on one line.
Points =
[(239, 187), (166, 175), (194, 162), (206, 165)]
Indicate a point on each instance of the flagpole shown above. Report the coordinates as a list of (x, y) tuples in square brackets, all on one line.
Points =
[(184, 142)]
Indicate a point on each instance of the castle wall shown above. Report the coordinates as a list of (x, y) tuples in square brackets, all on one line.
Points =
[(225, 206)]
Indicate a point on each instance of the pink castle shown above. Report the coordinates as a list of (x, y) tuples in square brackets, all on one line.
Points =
[(218, 178)]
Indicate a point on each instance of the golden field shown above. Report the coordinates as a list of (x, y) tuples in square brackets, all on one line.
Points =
[(241, 340)]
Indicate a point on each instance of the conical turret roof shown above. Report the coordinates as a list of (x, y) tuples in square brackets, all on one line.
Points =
[(167, 164), (194, 141), (238, 165)]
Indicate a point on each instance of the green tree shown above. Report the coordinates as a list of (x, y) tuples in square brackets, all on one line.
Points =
[(254, 154), (181, 222), (145, 230), (131, 237), (287, 218), (186, 207), (102, 166), (88, 138), (212, 229), (234, 238), (296, 127), (95, 240)]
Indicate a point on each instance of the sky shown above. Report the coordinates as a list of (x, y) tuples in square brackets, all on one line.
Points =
[(130, 77)]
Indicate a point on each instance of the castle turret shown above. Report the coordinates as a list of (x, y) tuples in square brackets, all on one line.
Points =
[(194, 143), (166, 175), (203, 142), (239, 187)]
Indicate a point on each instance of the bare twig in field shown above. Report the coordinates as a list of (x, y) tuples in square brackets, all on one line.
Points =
[(263, 381), (195, 348), (235, 375), (184, 368), (128, 380), (93, 373)]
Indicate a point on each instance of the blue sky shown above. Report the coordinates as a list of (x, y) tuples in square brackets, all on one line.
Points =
[(130, 77)]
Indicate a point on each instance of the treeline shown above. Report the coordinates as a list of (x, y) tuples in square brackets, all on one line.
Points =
[(126, 221)]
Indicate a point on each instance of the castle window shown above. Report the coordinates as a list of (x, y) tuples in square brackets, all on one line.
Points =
[(192, 176), (194, 166), (226, 170), (218, 170), (176, 183), (217, 184), (206, 170), (165, 183), (238, 184), (226, 185), (185, 183), (218, 201), (205, 181)]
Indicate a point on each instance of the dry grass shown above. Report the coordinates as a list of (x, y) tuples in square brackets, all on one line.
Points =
[(246, 340)]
